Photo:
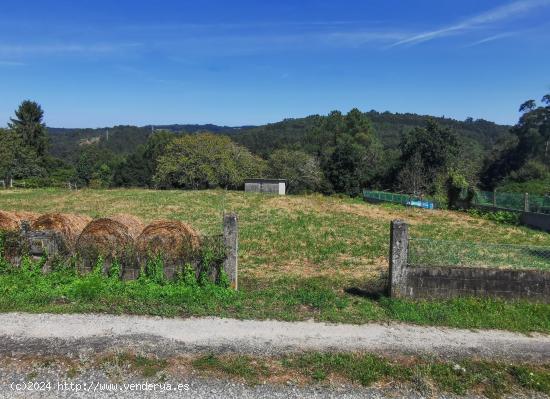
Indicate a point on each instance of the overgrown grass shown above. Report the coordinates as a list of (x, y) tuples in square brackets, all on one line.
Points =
[(300, 257), (27, 289), (492, 379)]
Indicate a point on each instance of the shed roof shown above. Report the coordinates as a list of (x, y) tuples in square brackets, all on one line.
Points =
[(261, 180)]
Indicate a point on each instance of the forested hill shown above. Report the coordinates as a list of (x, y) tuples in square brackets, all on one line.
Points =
[(124, 139), (389, 127), (263, 139)]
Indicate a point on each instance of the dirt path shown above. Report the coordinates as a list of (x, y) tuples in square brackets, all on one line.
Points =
[(43, 334)]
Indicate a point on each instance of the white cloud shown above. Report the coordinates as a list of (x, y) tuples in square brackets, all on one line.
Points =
[(511, 10)]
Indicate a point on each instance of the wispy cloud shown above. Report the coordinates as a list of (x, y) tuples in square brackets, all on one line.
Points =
[(59, 48), (11, 63), (511, 10), (492, 38)]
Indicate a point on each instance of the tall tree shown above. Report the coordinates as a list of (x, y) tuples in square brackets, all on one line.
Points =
[(427, 154), (138, 169), (529, 146), (17, 161), (28, 123), (348, 150)]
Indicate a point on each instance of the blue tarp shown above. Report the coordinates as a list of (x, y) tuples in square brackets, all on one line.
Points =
[(421, 204)]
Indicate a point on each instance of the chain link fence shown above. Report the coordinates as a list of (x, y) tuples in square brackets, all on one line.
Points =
[(403, 199), (428, 252), (513, 201)]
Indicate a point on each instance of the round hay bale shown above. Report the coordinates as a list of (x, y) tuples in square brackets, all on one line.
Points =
[(68, 226), (170, 238), (134, 225), (26, 216), (8, 221), (106, 237)]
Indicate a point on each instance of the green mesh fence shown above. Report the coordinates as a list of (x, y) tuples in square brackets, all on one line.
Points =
[(428, 252), (402, 199), (513, 201)]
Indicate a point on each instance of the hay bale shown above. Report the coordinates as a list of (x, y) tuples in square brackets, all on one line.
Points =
[(26, 216), (106, 237), (171, 239), (11, 221), (134, 225), (67, 225), (8, 221)]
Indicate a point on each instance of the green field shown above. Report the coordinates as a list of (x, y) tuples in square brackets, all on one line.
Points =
[(301, 257)]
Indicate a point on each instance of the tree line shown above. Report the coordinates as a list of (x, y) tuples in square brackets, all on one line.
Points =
[(336, 153)]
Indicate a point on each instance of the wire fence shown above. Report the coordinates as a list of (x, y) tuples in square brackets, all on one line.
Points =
[(428, 252), (513, 201), (403, 199)]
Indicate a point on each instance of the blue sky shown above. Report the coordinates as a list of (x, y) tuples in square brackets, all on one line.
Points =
[(99, 63)]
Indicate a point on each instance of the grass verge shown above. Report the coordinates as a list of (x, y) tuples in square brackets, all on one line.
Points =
[(488, 378), (64, 291), (427, 376)]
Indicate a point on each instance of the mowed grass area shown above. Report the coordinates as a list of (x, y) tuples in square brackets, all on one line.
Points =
[(301, 257)]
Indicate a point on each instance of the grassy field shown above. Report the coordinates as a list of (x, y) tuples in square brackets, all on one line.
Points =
[(300, 257)]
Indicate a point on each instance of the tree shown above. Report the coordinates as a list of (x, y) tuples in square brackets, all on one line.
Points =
[(17, 161), (427, 154), (95, 164), (138, 169), (301, 170), (528, 149), (206, 160), (533, 131), (413, 177), (29, 125), (102, 177), (348, 151)]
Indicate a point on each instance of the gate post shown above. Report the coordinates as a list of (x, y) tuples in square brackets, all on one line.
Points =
[(399, 246)]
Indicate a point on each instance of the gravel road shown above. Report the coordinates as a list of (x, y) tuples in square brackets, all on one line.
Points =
[(51, 334)]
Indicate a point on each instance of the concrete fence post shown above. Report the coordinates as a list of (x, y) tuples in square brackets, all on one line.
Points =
[(231, 241), (494, 198), (526, 202), (399, 246)]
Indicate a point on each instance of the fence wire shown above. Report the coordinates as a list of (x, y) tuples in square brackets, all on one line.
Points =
[(513, 201), (427, 252), (403, 199)]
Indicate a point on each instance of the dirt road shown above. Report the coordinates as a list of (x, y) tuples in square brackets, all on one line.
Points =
[(43, 334)]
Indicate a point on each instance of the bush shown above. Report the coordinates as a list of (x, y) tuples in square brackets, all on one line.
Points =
[(502, 217)]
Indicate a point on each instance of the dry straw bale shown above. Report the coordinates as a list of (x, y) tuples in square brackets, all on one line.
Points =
[(11, 221), (110, 236), (8, 221), (171, 239), (134, 225), (26, 216), (68, 226)]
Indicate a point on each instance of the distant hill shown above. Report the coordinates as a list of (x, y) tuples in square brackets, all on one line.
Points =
[(389, 127), (263, 139), (65, 142)]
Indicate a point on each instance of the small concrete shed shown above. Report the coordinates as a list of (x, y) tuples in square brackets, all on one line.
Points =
[(269, 186)]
